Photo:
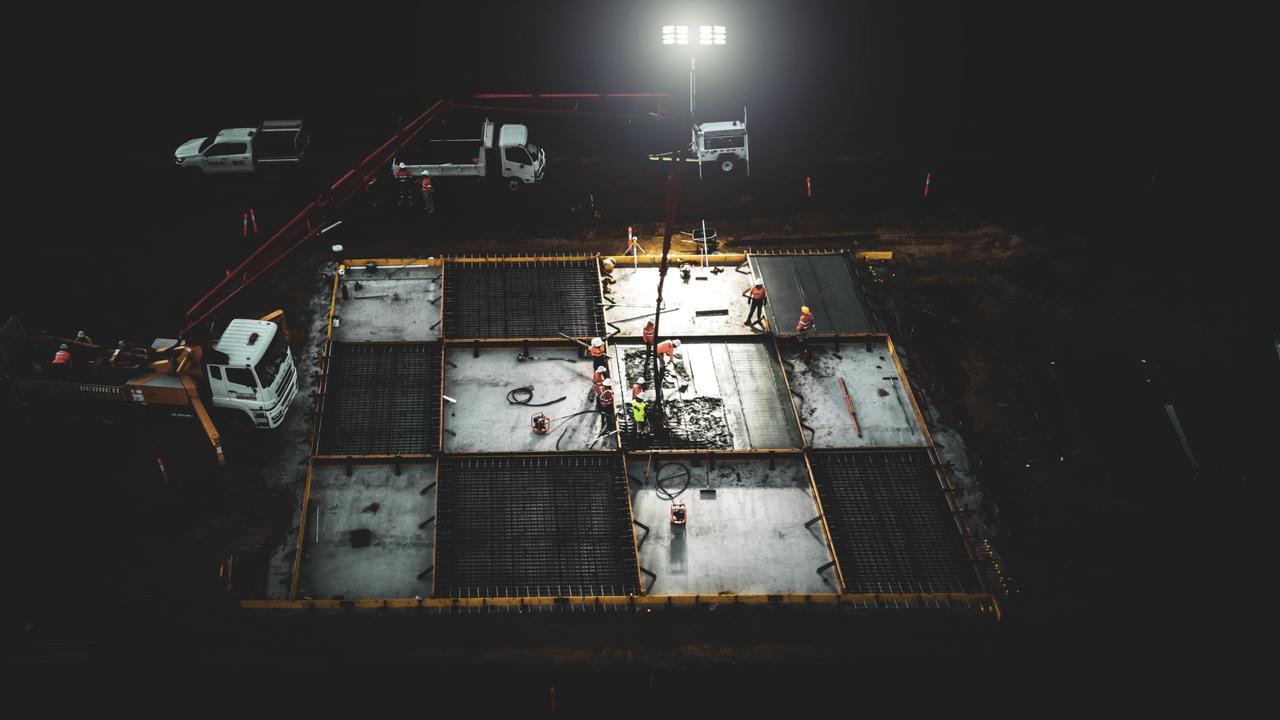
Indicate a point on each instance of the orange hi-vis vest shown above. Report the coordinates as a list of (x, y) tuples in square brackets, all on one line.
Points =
[(62, 357), (667, 347), (649, 330), (805, 323), (596, 351), (758, 293)]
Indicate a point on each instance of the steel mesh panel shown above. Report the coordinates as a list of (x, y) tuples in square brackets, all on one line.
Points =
[(533, 526), (382, 398), (890, 523), (522, 300)]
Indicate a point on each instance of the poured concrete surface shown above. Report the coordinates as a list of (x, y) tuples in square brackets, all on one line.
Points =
[(636, 290), (823, 282), (883, 407), (746, 376), (399, 550), (749, 539), (483, 421), (392, 305)]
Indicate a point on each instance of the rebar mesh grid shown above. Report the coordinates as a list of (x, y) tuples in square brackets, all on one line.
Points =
[(381, 398), (522, 300), (533, 526), (891, 524)]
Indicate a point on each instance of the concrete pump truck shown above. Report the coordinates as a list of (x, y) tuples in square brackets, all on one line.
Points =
[(247, 375)]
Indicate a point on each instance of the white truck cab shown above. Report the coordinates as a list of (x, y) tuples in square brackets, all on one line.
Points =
[(244, 150), (250, 370)]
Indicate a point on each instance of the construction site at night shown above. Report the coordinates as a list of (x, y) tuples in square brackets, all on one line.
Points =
[(691, 355)]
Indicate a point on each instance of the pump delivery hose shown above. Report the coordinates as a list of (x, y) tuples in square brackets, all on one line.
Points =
[(524, 396)]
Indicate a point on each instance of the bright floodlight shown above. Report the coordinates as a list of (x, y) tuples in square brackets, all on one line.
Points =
[(711, 35), (675, 34)]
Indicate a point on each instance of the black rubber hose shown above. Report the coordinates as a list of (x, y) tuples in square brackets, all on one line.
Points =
[(528, 396), (663, 492), (566, 427)]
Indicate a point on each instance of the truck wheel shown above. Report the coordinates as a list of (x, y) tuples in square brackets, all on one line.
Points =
[(726, 163), (513, 184)]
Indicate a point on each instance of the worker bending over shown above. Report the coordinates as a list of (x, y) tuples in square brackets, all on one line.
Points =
[(649, 330), (604, 398), (667, 349), (595, 352), (62, 359)]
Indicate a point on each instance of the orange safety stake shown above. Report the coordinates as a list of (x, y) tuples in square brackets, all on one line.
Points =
[(163, 473), (253, 219), (927, 178)]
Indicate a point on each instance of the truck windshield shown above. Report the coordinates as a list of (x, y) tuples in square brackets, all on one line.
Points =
[(533, 151), (207, 142), (269, 366)]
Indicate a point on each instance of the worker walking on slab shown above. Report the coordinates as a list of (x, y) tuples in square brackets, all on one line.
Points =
[(803, 326), (757, 296)]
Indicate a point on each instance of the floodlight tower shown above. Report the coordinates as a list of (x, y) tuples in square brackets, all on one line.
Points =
[(708, 35)]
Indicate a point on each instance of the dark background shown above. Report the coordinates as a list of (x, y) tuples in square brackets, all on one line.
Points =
[(1054, 117)]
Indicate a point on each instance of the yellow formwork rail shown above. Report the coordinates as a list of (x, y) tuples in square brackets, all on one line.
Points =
[(302, 533), (985, 600), (393, 263)]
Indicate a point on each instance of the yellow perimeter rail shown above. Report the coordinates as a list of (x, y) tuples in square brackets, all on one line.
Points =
[(985, 602)]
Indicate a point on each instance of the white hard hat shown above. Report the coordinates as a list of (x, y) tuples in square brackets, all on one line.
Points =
[(401, 166), (675, 343), (759, 280), (596, 342), (607, 382), (601, 369)]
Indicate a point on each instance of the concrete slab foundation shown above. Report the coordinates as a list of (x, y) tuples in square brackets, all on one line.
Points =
[(482, 419), (876, 390), (692, 308), (389, 304), (390, 508), (749, 536), (743, 380), (823, 282)]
